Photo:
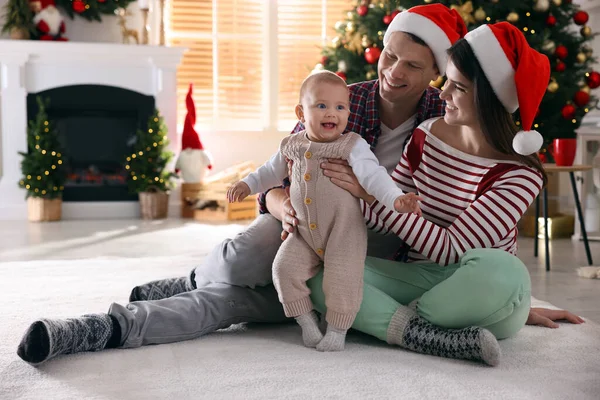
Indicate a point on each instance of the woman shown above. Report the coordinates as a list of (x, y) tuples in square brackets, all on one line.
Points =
[(477, 175)]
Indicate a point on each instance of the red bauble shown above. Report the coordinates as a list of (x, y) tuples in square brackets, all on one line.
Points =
[(593, 80), (560, 67), (372, 54), (362, 10), (581, 98), (394, 13), (581, 17), (551, 20), (542, 157), (568, 111), (101, 1), (388, 19), (561, 52), (341, 75), (324, 60), (78, 6)]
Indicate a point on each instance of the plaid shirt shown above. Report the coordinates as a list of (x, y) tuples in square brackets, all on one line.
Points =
[(364, 117)]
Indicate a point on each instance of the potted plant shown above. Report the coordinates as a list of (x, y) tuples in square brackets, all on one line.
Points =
[(18, 19), (43, 168), (147, 167)]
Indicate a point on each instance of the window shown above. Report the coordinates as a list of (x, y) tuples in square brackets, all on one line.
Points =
[(247, 58)]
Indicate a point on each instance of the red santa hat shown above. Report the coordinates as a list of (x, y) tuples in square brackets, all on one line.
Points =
[(435, 24), (189, 137), (518, 74)]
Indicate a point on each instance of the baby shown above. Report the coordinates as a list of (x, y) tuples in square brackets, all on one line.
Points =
[(331, 229)]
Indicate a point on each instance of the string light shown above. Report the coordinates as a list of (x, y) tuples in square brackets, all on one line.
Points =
[(133, 155), (150, 130), (533, 31), (574, 121), (43, 192), (53, 166), (141, 153), (39, 178), (60, 161), (134, 178), (37, 146), (536, 126), (43, 151), (46, 173), (53, 153)]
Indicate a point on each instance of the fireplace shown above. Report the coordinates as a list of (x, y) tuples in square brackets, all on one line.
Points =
[(97, 126), (100, 94)]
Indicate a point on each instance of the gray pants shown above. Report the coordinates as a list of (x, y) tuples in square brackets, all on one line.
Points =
[(234, 285)]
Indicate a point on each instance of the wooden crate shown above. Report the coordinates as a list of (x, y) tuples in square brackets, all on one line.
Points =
[(225, 211), (189, 191)]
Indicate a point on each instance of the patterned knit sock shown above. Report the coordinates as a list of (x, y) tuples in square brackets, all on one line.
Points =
[(412, 332), (48, 338), (163, 288), (311, 335), (334, 340)]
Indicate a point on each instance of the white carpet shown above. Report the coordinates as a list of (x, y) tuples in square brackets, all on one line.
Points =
[(261, 361)]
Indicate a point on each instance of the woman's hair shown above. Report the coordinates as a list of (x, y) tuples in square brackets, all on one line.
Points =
[(496, 123)]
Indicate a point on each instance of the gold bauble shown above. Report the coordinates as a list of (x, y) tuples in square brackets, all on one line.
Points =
[(585, 88), (513, 17), (548, 46), (557, 2), (553, 87), (335, 42), (365, 42), (541, 5), (371, 75), (587, 50), (350, 27), (581, 58), (586, 31), (438, 82), (480, 14)]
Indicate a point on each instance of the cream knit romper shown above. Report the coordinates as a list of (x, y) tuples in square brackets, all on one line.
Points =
[(331, 231)]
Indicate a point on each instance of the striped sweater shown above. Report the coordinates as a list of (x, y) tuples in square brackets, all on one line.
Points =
[(468, 201)]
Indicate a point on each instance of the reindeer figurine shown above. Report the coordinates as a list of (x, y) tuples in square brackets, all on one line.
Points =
[(122, 13)]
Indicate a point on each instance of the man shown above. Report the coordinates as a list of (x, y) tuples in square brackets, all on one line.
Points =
[(233, 284)]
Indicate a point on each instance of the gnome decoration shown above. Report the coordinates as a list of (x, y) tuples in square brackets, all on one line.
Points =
[(48, 21), (193, 162)]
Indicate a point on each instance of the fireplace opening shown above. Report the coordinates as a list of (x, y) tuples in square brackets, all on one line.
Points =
[(97, 126)]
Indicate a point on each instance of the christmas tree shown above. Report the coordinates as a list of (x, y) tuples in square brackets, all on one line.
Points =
[(91, 9), (147, 164), (18, 15), (44, 173), (549, 26)]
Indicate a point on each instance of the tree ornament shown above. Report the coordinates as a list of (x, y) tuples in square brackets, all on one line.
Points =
[(585, 88), (586, 31), (561, 52), (372, 54), (480, 14), (336, 42), (593, 79), (340, 25), (568, 111), (553, 87), (365, 42), (350, 27), (342, 66), (548, 46), (581, 17), (542, 5), (371, 75), (362, 10), (513, 17), (560, 66), (324, 60), (581, 58), (551, 20), (466, 11), (341, 75), (557, 3), (387, 19), (78, 6), (581, 98)]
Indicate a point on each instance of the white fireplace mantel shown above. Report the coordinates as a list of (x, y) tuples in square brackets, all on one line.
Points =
[(34, 66)]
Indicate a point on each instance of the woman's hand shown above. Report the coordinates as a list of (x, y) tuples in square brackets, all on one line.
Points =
[(341, 174), (546, 317)]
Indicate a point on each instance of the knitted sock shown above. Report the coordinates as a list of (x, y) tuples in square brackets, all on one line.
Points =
[(311, 335), (334, 340), (163, 288), (412, 332), (48, 338)]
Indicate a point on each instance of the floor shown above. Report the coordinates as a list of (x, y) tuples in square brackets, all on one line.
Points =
[(22, 241)]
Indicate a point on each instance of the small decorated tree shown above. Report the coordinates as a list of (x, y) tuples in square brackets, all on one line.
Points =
[(44, 172), (18, 19), (147, 167)]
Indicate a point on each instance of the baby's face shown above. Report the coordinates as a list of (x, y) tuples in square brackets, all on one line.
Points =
[(326, 109)]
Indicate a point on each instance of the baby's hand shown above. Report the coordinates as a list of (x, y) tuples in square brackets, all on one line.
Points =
[(238, 192), (409, 203)]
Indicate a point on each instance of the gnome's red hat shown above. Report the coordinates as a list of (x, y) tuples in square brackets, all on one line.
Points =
[(189, 137), (435, 24), (518, 74)]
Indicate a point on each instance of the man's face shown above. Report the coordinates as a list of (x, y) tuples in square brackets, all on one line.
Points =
[(405, 69)]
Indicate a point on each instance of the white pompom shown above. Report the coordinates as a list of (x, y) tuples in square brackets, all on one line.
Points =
[(527, 142)]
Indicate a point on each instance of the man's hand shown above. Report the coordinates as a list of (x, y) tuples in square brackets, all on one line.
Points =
[(288, 220), (408, 203), (238, 192), (546, 317), (341, 174)]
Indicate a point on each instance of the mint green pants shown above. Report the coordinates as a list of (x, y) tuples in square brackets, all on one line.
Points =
[(489, 288)]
